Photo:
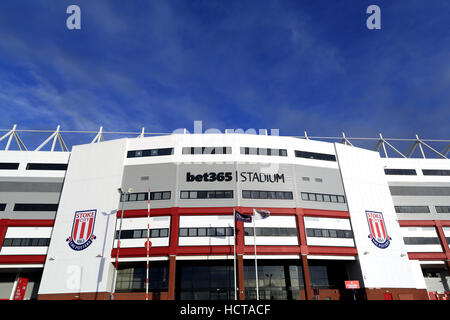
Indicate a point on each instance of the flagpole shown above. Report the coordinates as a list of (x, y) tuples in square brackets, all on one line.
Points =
[(234, 253), (147, 244), (256, 260)]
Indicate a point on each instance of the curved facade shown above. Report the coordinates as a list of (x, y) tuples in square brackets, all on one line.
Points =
[(337, 213)]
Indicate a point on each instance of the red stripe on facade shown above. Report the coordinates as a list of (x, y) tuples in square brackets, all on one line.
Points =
[(426, 256), (22, 259)]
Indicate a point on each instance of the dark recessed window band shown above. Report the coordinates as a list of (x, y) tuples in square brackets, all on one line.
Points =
[(315, 156), (26, 242), (2, 206), (271, 232), (322, 197), (400, 172), (143, 196), (210, 194), (47, 166), (433, 172), (142, 233), (421, 240), (255, 194), (329, 233), (35, 207), (150, 153), (206, 232), (206, 150), (264, 151), (443, 209), (412, 209), (8, 166)]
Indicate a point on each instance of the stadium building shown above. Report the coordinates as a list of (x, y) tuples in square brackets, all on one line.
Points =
[(334, 213)]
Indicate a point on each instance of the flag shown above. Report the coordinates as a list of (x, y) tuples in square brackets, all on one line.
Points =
[(261, 214), (242, 217)]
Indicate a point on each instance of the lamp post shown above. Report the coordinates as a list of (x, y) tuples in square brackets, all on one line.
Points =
[(122, 193)]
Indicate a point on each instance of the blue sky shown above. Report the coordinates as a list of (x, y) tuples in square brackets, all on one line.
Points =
[(290, 65)]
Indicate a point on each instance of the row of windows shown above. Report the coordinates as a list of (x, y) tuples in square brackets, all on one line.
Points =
[(210, 194), (26, 242), (35, 207), (227, 150), (421, 240), (421, 209), (315, 155), (412, 209), (253, 194), (264, 151), (271, 232), (150, 153), (33, 166), (228, 194), (206, 232), (206, 150), (322, 197), (329, 233), (412, 172), (142, 233), (141, 196), (443, 209)]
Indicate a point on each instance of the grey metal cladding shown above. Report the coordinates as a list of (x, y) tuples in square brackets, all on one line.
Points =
[(419, 191), (331, 184), (209, 173), (11, 198), (266, 177), (15, 186), (161, 177)]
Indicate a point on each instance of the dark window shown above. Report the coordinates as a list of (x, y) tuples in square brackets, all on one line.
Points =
[(412, 209), (322, 197), (443, 209), (314, 155), (254, 194), (206, 232), (206, 150), (420, 240), (271, 232), (328, 233), (2, 206), (277, 280), (132, 277), (150, 153), (9, 166), (400, 172), (143, 196), (47, 166), (204, 280), (142, 233), (210, 194), (264, 151), (432, 172), (35, 207), (26, 242)]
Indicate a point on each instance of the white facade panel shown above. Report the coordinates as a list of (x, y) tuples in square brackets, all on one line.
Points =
[(205, 241), (327, 223), (366, 189), (23, 251), (203, 221), (141, 223), (94, 174), (271, 241), (329, 242), (28, 232), (140, 243)]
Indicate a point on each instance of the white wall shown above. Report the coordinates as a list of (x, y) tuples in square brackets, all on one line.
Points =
[(366, 188), (93, 176)]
